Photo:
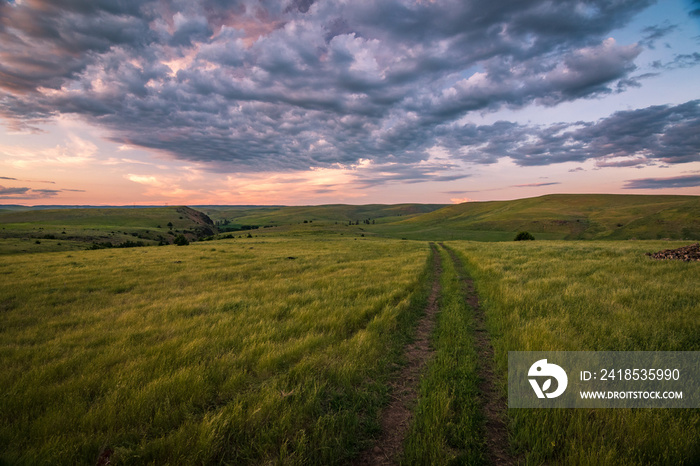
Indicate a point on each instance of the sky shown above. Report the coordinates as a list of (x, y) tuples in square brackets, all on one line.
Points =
[(306, 102)]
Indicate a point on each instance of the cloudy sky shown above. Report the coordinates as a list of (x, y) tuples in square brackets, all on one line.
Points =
[(322, 101)]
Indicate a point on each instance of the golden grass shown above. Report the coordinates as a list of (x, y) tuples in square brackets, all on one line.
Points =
[(591, 296), (241, 351)]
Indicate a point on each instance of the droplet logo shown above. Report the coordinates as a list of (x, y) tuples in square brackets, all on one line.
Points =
[(544, 371)]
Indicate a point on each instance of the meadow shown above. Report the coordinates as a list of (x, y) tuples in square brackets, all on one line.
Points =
[(231, 351), (281, 346), (590, 296)]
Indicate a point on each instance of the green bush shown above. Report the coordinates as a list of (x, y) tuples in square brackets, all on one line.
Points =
[(524, 236), (180, 240)]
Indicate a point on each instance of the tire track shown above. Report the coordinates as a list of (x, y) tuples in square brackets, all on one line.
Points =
[(396, 418), (493, 403)]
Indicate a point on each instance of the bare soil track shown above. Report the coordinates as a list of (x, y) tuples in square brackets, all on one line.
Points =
[(493, 403), (396, 418)]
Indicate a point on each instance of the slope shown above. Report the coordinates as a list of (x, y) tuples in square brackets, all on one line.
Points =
[(285, 215), (559, 216), (38, 230)]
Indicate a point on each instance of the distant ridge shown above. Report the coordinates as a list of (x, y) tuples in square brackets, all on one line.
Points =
[(285, 215), (554, 216), (50, 207), (66, 206)]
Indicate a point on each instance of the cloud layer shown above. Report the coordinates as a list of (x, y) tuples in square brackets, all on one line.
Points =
[(24, 193), (257, 85), (657, 134), (664, 183)]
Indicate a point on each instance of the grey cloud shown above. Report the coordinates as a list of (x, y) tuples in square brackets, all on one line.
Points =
[(260, 85), (12, 191), (47, 43), (30, 193), (688, 181), (47, 192), (661, 133), (668, 134), (410, 174), (190, 30), (695, 9), (685, 60), (636, 162), (301, 5), (31, 181), (26, 193), (654, 33)]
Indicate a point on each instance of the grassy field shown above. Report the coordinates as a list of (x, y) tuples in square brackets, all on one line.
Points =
[(231, 351), (279, 347), (591, 296)]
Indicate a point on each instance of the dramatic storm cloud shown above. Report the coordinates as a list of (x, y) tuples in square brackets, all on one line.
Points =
[(263, 85)]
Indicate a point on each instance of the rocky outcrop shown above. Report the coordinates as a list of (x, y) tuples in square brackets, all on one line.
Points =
[(205, 226)]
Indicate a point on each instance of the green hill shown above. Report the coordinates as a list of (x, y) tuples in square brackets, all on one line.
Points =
[(286, 215), (35, 230), (559, 216)]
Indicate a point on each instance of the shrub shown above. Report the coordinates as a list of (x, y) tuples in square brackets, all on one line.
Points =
[(180, 240), (103, 245), (524, 236), (130, 244)]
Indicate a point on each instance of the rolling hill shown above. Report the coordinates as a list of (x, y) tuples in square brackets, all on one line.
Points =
[(33, 230), (285, 215), (558, 216)]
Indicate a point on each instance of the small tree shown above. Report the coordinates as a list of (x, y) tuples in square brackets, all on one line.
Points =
[(524, 236), (181, 240)]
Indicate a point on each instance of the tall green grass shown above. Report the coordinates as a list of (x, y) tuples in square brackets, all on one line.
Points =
[(234, 351), (591, 296)]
